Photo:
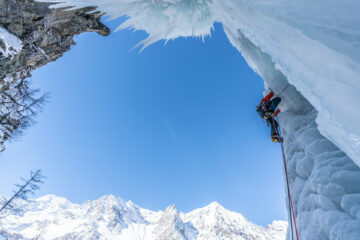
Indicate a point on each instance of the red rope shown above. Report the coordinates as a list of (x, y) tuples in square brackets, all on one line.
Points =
[(285, 170)]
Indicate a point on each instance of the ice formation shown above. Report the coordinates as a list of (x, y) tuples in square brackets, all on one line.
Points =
[(109, 217), (313, 47)]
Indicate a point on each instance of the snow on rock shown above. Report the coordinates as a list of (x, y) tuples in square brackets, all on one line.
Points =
[(9, 44), (171, 226), (109, 217), (215, 222), (32, 35)]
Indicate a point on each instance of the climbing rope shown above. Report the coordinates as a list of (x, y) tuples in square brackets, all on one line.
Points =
[(287, 184)]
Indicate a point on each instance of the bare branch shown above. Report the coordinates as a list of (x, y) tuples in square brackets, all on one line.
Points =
[(8, 206), (19, 105)]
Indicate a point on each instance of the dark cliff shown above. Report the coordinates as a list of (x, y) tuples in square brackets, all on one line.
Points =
[(46, 34)]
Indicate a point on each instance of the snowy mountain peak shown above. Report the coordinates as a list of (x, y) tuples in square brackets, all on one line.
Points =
[(50, 203), (216, 211), (110, 217), (51, 198), (216, 208), (171, 226), (171, 209), (214, 205), (111, 199)]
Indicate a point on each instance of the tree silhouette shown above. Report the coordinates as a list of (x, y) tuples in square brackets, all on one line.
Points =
[(19, 104), (28, 187)]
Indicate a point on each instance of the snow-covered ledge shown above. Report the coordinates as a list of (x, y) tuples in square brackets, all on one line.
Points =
[(9, 44), (315, 47)]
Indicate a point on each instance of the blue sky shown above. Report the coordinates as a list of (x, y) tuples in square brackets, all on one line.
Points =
[(175, 124)]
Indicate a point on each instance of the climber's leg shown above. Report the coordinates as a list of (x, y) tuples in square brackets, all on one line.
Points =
[(274, 103)]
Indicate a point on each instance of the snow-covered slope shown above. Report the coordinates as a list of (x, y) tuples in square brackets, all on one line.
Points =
[(9, 44), (109, 217)]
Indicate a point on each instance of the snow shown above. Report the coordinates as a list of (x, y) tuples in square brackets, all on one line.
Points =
[(312, 50), (11, 45), (109, 217)]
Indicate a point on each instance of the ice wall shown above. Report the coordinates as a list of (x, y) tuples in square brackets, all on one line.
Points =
[(314, 47), (324, 182)]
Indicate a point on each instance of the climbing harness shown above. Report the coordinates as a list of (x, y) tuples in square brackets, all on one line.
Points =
[(291, 207)]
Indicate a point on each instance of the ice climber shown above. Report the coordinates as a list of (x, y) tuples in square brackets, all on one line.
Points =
[(267, 110)]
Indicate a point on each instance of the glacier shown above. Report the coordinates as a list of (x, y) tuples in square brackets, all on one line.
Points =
[(308, 53), (110, 217)]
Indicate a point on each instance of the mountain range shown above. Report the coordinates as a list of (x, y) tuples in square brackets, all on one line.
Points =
[(109, 217)]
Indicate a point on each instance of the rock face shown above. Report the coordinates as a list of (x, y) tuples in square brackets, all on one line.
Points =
[(110, 217), (32, 35), (46, 33)]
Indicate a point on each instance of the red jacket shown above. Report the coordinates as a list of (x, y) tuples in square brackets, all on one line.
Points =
[(268, 98)]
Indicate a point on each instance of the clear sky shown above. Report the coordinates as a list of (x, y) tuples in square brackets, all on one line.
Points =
[(175, 124)]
